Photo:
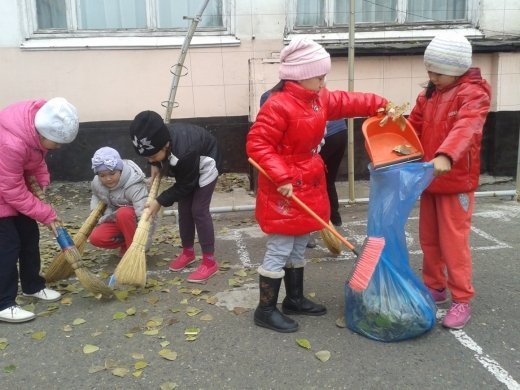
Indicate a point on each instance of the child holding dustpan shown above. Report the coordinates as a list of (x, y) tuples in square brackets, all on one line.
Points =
[(121, 185), (284, 142), (191, 155), (28, 130), (449, 117)]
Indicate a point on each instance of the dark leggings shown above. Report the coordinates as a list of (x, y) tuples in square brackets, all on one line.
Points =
[(332, 154), (194, 214), (19, 243)]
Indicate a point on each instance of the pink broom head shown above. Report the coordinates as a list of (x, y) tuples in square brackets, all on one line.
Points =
[(366, 264)]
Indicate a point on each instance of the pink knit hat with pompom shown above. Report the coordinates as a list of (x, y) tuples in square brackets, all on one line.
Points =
[(303, 59)]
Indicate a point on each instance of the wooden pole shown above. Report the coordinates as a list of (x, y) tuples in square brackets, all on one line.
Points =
[(177, 72)]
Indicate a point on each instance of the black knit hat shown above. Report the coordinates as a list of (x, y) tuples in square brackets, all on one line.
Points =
[(149, 134)]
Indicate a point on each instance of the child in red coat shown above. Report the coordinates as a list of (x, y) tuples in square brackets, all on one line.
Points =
[(284, 141), (449, 117)]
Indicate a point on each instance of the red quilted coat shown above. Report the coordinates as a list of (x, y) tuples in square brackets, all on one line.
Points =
[(284, 141), (451, 123)]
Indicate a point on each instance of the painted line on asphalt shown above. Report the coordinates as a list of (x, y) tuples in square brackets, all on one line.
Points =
[(489, 364), (483, 234), (242, 252)]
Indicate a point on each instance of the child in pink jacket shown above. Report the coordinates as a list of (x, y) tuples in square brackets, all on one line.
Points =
[(28, 130)]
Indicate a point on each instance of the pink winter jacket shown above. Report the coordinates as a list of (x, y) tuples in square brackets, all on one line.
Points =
[(451, 123), (284, 141), (22, 156)]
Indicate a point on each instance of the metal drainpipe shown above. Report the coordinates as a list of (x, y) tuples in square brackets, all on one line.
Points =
[(251, 207)]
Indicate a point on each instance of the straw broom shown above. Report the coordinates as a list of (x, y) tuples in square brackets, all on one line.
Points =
[(132, 267), (332, 243), (59, 268), (72, 254), (367, 257)]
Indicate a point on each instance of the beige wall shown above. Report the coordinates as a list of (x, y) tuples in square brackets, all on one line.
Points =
[(116, 84)]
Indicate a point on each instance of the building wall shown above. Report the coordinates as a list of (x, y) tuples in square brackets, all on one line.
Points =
[(114, 84)]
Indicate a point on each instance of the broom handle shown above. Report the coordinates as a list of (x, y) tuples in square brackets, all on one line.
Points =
[(308, 210)]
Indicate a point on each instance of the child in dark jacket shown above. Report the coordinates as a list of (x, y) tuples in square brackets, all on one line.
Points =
[(121, 185), (449, 117), (190, 154), (28, 130)]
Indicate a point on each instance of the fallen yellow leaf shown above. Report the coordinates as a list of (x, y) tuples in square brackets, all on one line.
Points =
[(39, 335), (304, 343), (89, 348), (120, 371), (78, 321), (323, 355), (168, 354)]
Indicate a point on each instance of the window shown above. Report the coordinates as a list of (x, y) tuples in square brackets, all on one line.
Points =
[(87, 17), (336, 13)]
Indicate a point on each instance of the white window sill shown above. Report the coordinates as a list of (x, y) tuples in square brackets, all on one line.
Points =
[(126, 42), (382, 36)]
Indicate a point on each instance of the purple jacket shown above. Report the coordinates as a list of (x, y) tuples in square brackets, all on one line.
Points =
[(22, 156)]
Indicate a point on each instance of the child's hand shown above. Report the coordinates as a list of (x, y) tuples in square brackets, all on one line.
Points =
[(153, 208), (441, 165), (286, 190)]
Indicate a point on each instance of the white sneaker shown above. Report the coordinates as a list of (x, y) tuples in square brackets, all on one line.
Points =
[(46, 295), (16, 314)]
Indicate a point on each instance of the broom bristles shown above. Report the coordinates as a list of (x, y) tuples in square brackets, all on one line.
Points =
[(132, 267), (366, 264), (85, 277), (332, 243), (59, 268)]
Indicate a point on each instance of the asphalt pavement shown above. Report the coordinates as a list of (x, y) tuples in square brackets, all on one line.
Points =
[(174, 334)]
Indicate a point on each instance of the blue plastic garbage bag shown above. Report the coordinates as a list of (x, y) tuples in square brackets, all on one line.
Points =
[(396, 305)]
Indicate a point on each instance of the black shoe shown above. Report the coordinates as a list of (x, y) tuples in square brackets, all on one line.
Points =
[(295, 302), (336, 220), (267, 314)]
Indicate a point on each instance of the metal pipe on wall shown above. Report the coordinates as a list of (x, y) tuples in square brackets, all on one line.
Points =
[(350, 121), (251, 207), (518, 170)]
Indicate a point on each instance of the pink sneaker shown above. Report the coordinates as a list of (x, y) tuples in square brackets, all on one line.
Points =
[(181, 261), (439, 296), (458, 316), (203, 273)]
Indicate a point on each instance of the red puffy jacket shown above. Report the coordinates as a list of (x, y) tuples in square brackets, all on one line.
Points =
[(451, 123), (284, 141)]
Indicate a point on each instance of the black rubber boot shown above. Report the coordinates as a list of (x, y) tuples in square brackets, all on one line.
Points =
[(295, 302), (267, 314)]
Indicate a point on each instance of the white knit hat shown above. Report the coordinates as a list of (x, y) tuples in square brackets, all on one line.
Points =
[(57, 120), (303, 59), (449, 53)]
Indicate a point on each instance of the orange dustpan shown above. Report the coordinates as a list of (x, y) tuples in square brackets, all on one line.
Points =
[(388, 145)]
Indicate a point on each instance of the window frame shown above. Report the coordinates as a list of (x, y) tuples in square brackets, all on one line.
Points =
[(29, 15), (291, 5)]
